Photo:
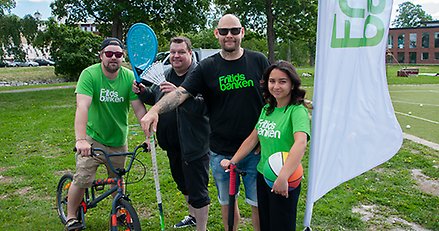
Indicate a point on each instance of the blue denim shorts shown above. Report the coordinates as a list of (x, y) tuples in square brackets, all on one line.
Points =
[(248, 164)]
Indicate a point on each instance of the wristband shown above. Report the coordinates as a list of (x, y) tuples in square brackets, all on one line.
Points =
[(80, 139)]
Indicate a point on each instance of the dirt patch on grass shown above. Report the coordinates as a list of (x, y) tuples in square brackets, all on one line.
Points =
[(6, 179), (378, 170), (143, 212), (3, 169), (381, 218), (24, 191), (62, 172), (415, 151), (425, 183)]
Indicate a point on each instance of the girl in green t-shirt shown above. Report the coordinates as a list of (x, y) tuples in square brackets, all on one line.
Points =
[(283, 126)]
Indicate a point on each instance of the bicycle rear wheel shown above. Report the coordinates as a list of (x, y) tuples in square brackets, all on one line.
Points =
[(126, 217)]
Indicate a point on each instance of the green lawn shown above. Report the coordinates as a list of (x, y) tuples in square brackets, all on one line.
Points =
[(418, 107), (391, 71), (36, 136), (27, 73)]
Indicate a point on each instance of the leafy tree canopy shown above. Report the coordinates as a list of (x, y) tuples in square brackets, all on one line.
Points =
[(71, 48), (12, 28), (410, 15), (280, 20), (166, 17), (6, 6)]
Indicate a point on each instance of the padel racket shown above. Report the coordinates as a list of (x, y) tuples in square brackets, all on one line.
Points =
[(142, 48), (232, 194), (234, 173), (156, 180)]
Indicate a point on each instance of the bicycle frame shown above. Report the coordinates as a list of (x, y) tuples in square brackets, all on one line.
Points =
[(90, 200)]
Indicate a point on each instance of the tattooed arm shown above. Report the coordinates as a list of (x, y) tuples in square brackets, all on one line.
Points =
[(169, 102)]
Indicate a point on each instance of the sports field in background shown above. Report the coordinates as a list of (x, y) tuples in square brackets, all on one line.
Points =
[(414, 105), (417, 109)]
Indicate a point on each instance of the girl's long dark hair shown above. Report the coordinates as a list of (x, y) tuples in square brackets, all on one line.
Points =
[(297, 94)]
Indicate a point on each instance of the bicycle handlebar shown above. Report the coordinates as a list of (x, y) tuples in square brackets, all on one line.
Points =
[(94, 150), (118, 171)]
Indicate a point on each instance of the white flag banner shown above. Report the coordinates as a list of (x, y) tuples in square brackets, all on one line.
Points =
[(354, 127)]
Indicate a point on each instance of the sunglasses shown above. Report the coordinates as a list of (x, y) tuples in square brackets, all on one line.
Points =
[(233, 31), (109, 54)]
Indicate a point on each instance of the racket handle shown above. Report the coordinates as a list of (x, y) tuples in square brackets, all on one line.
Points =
[(232, 181)]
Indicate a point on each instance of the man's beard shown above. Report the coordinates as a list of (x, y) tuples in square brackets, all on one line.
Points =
[(229, 49), (110, 67), (232, 48)]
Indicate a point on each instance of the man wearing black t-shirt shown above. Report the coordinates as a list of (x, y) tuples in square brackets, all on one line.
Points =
[(183, 133), (229, 83)]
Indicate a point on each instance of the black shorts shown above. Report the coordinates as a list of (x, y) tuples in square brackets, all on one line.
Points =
[(196, 174), (176, 165)]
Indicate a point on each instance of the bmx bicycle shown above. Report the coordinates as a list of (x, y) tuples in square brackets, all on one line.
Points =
[(123, 216)]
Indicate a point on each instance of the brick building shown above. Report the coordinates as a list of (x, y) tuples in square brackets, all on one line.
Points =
[(414, 44)]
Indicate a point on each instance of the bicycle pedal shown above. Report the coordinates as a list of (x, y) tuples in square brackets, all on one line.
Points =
[(99, 187)]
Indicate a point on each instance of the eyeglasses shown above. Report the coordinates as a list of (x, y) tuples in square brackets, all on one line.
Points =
[(233, 30), (109, 54)]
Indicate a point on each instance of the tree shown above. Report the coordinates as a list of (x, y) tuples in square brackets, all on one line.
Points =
[(71, 48), (114, 17), (203, 39), (29, 28), (13, 28), (410, 15), (206, 39), (301, 28), (6, 6), (278, 19)]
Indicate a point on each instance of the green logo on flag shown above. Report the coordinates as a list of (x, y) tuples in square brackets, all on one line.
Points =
[(371, 19)]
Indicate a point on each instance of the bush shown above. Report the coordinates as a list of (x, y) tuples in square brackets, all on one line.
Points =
[(72, 49)]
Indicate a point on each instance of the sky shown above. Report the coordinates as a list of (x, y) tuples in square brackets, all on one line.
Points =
[(24, 7)]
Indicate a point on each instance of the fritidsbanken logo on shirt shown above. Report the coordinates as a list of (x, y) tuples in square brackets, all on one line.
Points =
[(266, 129), (234, 81), (109, 96)]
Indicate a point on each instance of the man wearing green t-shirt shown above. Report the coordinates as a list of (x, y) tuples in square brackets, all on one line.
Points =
[(103, 98)]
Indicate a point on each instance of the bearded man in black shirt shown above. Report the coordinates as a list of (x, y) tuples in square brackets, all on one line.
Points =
[(230, 84)]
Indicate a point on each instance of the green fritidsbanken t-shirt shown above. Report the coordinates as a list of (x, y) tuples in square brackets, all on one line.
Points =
[(108, 114), (276, 131)]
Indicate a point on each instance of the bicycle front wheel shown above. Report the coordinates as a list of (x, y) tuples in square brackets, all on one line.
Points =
[(61, 196), (126, 217)]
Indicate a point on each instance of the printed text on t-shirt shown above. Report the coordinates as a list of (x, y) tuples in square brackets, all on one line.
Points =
[(234, 81), (110, 96), (266, 129)]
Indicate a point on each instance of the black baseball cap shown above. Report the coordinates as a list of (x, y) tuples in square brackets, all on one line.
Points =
[(111, 41)]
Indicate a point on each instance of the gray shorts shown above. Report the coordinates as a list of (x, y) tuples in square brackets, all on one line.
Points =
[(86, 167)]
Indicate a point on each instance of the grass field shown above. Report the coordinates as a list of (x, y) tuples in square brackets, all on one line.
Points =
[(27, 73), (417, 109), (36, 136)]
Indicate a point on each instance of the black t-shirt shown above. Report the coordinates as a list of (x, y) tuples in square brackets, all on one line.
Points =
[(167, 132), (231, 90)]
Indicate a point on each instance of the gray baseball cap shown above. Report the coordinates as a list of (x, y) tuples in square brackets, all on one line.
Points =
[(111, 41)]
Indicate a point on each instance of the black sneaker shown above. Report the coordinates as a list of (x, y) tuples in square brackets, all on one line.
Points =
[(187, 221)]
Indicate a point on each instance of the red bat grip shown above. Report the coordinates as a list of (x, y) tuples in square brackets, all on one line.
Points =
[(232, 181)]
